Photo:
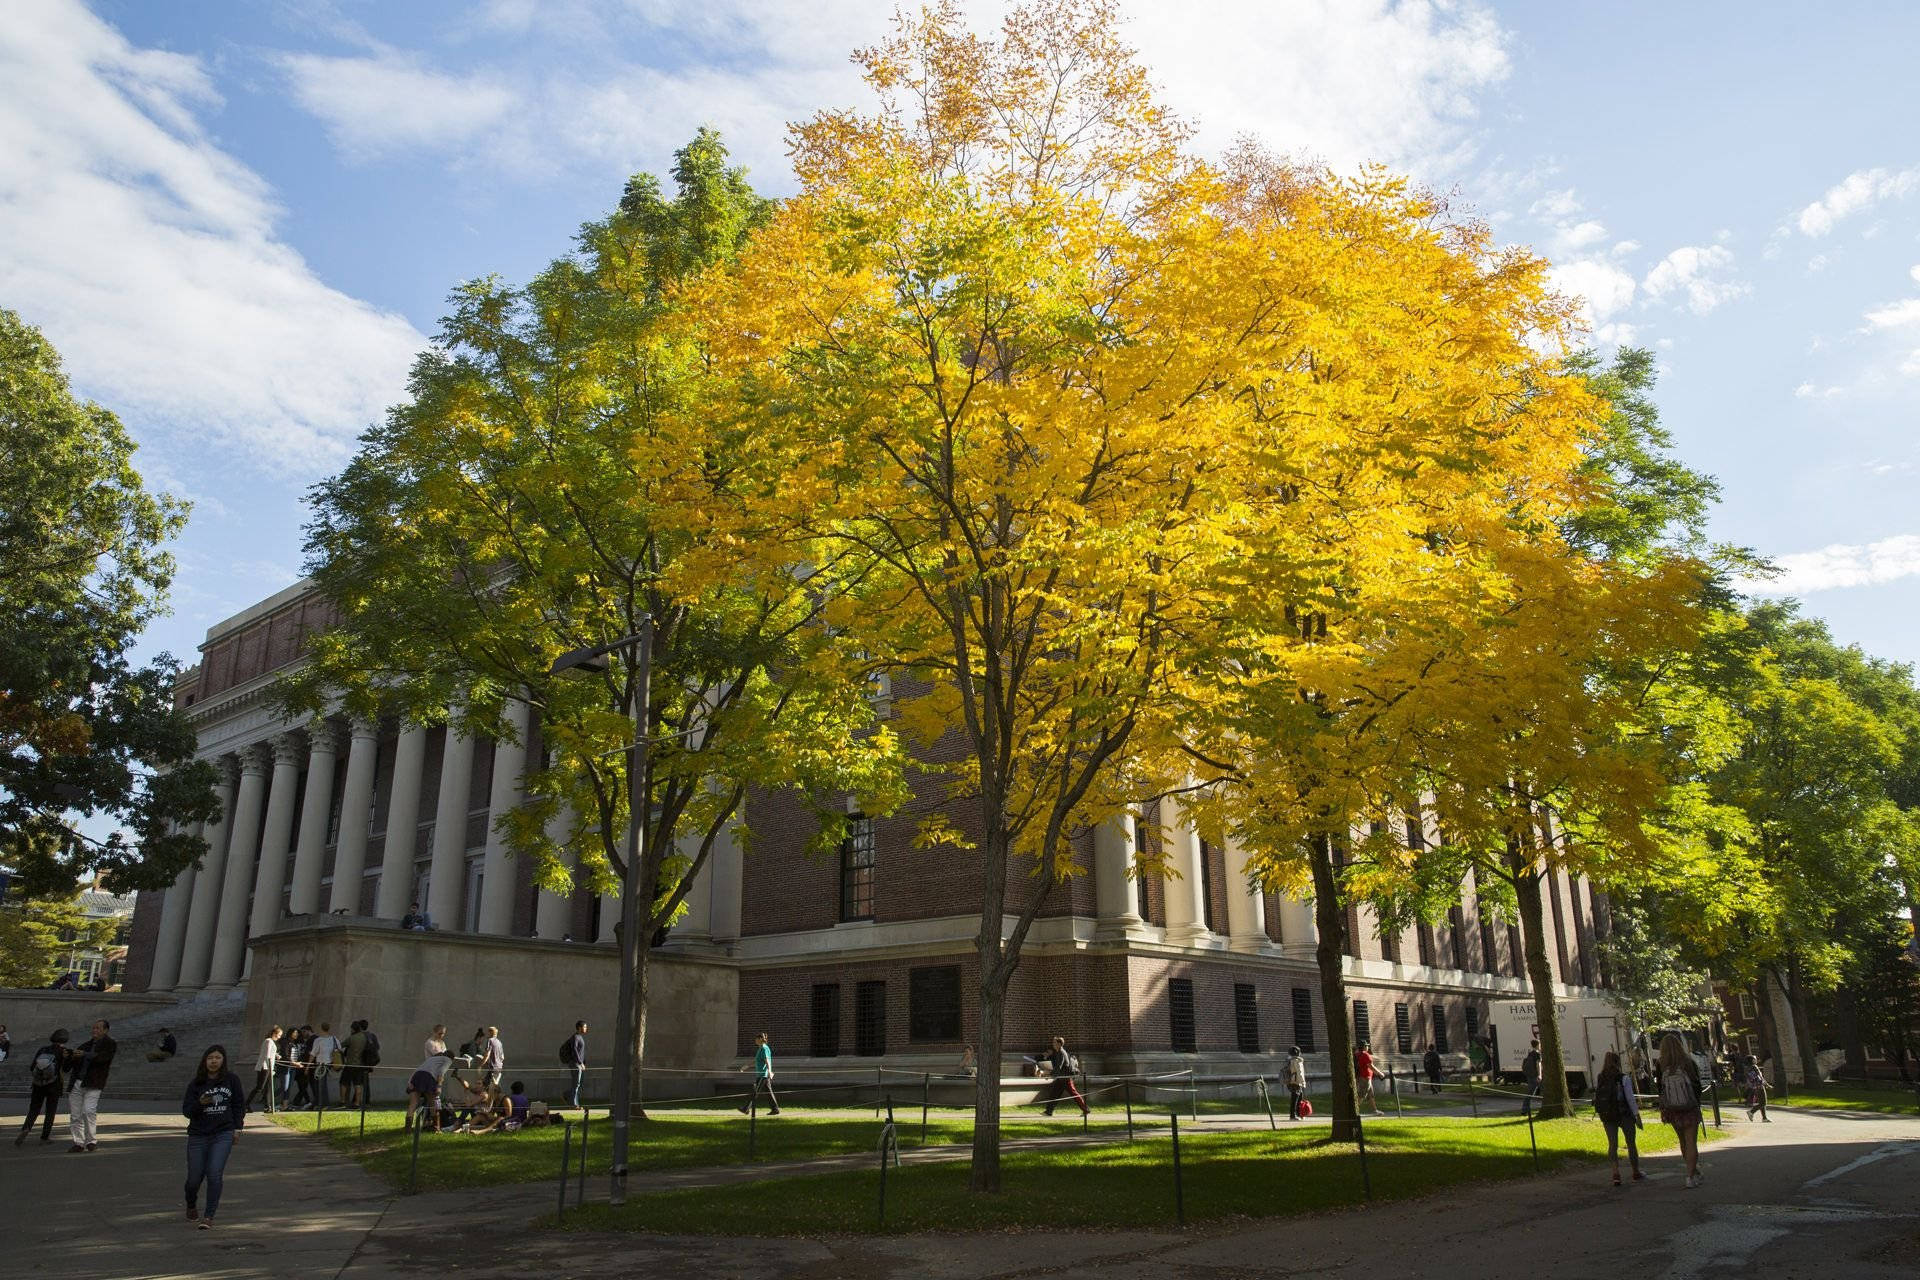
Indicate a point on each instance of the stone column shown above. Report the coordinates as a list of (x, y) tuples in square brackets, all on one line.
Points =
[(403, 824), (448, 886), (356, 810), (196, 955), (310, 850), (509, 786), (173, 929), (695, 926), (270, 876), (230, 930), (1299, 934), (724, 869), (1246, 905), (553, 912), (1186, 913), (1114, 892)]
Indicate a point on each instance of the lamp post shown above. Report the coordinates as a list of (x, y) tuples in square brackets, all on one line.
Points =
[(595, 659)]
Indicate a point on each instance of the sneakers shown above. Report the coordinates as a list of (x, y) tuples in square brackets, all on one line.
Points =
[(92, 1145), (774, 1112), (1639, 1176), (75, 1147), (1616, 1179), (1695, 1179), (206, 1224), (193, 1211), (22, 1138)]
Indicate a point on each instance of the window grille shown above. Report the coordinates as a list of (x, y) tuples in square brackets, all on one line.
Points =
[(1180, 1014), (1303, 1019), (856, 869), (870, 1019), (1246, 1016), (823, 1021), (933, 1003), (1403, 1028), (1362, 1024), (1440, 1029)]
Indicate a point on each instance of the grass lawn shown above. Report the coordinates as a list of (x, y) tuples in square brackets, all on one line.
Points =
[(1226, 1175), (1844, 1097), (668, 1140)]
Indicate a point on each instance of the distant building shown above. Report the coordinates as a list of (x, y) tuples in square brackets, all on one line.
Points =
[(90, 964)]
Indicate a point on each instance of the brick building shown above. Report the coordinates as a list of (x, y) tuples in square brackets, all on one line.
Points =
[(855, 960)]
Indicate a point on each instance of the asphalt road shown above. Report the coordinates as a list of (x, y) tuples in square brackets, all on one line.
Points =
[(1826, 1196)]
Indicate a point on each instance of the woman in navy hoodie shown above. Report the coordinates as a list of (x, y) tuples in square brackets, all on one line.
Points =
[(216, 1109)]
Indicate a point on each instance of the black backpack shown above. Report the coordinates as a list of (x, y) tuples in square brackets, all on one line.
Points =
[(1606, 1100), (566, 1053), (370, 1052), (46, 1068)]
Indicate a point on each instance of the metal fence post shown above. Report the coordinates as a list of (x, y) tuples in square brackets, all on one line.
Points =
[(363, 1107), (580, 1196), (1714, 1091), (1360, 1134), (1193, 1094), (1179, 1188), (1266, 1096), (926, 1101), (1533, 1141), (1128, 1090), (1393, 1087), (413, 1169), (753, 1124), (566, 1161), (1473, 1098)]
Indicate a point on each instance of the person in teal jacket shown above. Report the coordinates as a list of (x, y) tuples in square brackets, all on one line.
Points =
[(762, 1067)]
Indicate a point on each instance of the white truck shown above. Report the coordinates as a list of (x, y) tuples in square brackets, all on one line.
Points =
[(1588, 1028)]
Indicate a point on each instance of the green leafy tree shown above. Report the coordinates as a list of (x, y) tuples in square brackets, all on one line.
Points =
[(85, 732), (534, 495), (36, 935)]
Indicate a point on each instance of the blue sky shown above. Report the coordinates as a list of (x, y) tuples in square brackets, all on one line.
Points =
[(240, 220)]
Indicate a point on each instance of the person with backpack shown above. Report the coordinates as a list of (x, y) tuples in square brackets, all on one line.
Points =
[(1619, 1112), (353, 1071), (493, 1061), (1530, 1071), (1756, 1088), (89, 1065), (1296, 1083), (1679, 1085), (573, 1056), (44, 1071), (1062, 1088), (1435, 1068), (762, 1066), (266, 1069), (326, 1060), (215, 1106)]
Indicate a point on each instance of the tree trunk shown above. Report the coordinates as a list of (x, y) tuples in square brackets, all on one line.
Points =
[(1770, 1031), (1331, 918), (1796, 990), (1852, 1038), (985, 1176), (1553, 1062), (642, 974)]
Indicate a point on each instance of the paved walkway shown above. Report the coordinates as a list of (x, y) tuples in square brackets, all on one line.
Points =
[(1811, 1195)]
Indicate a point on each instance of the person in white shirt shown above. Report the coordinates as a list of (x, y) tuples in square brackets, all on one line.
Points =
[(437, 1040), (495, 1061), (325, 1046), (264, 1069)]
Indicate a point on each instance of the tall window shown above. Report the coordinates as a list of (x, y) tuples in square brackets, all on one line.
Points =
[(1303, 1019), (856, 869), (1206, 887), (1362, 1024), (1423, 934), (1440, 1029), (1489, 954), (1180, 1014), (1139, 876), (1517, 949), (823, 1021), (1457, 935), (933, 1002), (1473, 1021), (1246, 1017), (870, 1019), (1389, 942), (1403, 1028)]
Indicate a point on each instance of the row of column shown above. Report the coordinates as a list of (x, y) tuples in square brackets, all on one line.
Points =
[(1115, 875), (205, 919)]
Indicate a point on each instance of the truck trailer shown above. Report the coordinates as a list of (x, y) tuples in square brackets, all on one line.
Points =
[(1588, 1029)]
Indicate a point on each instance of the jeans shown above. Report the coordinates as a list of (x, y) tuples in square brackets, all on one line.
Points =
[(322, 1086), (263, 1089), (1614, 1129), (83, 1115), (47, 1096), (579, 1077), (207, 1161), (763, 1084), (1293, 1102)]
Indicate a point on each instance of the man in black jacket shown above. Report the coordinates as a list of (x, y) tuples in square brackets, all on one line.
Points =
[(45, 1073), (89, 1063)]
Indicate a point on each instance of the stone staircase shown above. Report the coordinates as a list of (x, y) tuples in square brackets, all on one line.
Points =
[(196, 1022)]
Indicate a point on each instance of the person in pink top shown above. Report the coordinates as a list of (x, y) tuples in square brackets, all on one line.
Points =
[(1363, 1076)]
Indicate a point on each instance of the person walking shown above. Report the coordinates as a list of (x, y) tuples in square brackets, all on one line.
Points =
[(297, 1067), (1619, 1111), (574, 1055), (1679, 1086), (353, 1075), (494, 1064), (1756, 1080), (265, 1068), (1296, 1083), (326, 1060), (89, 1064), (216, 1111), (46, 1070), (1063, 1066), (1530, 1069), (1363, 1073), (762, 1067), (1435, 1068)]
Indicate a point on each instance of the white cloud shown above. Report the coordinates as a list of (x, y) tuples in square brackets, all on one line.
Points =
[(150, 257), (1817, 263), (1895, 315), (1914, 271), (1696, 273), (1352, 80), (1569, 239), (1626, 247), (1910, 367), (1555, 204), (1604, 290), (1842, 565), (387, 102), (1857, 191)]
